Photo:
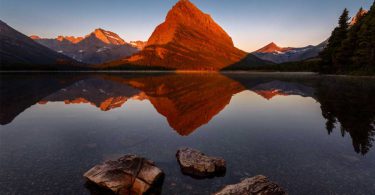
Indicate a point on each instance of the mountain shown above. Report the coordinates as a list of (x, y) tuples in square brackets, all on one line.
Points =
[(98, 47), (187, 40), (278, 55), (273, 48), (18, 51), (138, 44)]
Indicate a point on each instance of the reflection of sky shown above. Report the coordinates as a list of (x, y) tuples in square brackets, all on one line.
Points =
[(251, 23)]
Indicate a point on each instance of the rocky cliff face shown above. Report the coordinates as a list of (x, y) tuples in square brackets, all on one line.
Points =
[(188, 40), (138, 44), (98, 47)]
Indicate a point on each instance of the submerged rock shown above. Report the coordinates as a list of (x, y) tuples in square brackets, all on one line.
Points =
[(258, 185), (128, 175), (197, 164)]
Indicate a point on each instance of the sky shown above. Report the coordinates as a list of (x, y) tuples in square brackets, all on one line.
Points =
[(251, 23)]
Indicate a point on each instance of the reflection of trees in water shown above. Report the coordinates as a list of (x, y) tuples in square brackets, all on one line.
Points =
[(351, 104)]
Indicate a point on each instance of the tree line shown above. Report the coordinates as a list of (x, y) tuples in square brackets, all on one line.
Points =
[(351, 47)]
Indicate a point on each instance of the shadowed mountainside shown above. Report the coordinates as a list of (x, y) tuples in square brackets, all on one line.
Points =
[(19, 52)]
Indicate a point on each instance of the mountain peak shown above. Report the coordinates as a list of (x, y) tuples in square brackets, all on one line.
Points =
[(271, 48), (188, 39), (184, 5), (35, 37), (107, 37), (71, 39), (185, 14)]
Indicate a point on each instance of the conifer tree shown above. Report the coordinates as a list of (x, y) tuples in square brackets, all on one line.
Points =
[(364, 54), (344, 56), (339, 34)]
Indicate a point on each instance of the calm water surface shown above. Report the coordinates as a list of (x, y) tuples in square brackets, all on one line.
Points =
[(310, 134)]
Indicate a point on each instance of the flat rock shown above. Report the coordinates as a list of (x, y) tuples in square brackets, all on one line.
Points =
[(197, 164), (128, 175), (258, 185)]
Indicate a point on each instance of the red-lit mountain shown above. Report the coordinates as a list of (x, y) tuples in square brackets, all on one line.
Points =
[(188, 40), (272, 47), (138, 44), (98, 47), (19, 52)]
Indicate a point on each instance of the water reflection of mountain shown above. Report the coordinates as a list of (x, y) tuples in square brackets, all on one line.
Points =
[(273, 88), (103, 94), (18, 92), (189, 101)]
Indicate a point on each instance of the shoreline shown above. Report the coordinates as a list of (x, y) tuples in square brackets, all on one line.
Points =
[(185, 72)]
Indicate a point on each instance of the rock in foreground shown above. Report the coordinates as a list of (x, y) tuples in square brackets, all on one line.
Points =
[(128, 175), (197, 164), (258, 185)]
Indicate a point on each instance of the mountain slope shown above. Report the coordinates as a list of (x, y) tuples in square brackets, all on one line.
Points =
[(188, 40), (17, 51), (98, 47)]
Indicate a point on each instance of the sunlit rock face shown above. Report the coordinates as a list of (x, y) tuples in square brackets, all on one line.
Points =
[(272, 47), (138, 44), (71, 39), (188, 40), (98, 47)]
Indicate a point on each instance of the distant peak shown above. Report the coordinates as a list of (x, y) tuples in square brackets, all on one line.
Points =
[(71, 39), (107, 37), (272, 44), (273, 47), (35, 37), (99, 30)]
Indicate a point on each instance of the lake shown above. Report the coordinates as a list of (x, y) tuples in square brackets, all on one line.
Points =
[(311, 134)]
